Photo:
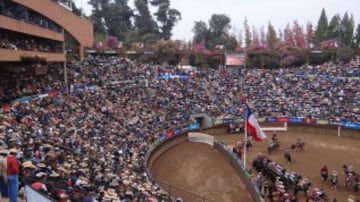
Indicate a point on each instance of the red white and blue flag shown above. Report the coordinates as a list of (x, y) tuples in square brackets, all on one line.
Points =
[(252, 126)]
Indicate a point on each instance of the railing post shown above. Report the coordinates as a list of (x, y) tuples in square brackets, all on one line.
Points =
[(169, 192)]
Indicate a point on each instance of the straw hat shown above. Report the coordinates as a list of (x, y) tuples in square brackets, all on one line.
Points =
[(28, 164), (4, 152), (54, 174), (13, 150), (41, 165), (40, 174)]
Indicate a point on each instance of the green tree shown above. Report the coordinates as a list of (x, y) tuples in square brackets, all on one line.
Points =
[(219, 25), (97, 16), (230, 43), (347, 31), (117, 16), (356, 40), (333, 27), (271, 36), (166, 16), (201, 32), (144, 22), (248, 39), (322, 27)]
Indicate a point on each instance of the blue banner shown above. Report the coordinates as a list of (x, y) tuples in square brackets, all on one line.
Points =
[(177, 131), (193, 126), (25, 100), (295, 120), (162, 137), (271, 119), (351, 125), (228, 120)]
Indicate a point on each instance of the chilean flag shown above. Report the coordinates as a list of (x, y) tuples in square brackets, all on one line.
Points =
[(252, 126)]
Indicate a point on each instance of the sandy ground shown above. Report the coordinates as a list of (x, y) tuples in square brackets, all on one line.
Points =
[(199, 168)]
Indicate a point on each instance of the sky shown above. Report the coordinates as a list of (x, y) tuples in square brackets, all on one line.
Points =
[(258, 12)]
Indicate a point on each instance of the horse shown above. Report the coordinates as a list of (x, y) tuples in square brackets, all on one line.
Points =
[(248, 144), (334, 180), (287, 156), (302, 186), (273, 146), (299, 146), (352, 182), (324, 176)]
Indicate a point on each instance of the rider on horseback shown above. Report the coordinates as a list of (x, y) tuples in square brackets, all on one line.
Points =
[(274, 137), (287, 155), (324, 172), (334, 179)]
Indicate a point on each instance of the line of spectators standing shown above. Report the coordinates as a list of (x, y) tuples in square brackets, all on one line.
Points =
[(90, 145), (16, 41)]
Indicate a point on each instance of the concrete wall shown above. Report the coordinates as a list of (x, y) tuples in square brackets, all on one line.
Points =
[(25, 28), (236, 164)]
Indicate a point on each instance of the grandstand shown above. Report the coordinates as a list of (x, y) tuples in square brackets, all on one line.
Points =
[(91, 139)]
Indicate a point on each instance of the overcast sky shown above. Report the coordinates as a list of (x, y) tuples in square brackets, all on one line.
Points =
[(258, 12)]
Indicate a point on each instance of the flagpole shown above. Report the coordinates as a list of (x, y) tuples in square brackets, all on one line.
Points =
[(245, 135)]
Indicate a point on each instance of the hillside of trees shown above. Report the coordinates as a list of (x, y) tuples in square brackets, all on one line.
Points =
[(147, 27)]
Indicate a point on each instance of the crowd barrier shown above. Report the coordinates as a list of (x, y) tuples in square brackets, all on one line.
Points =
[(237, 164)]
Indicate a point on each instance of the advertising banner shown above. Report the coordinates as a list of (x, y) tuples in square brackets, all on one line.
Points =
[(235, 59), (271, 119), (351, 125), (322, 122), (177, 131), (239, 120), (218, 121), (283, 119), (25, 100), (228, 120), (194, 126), (261, 119), (169, 134), (309, 120), (295, 120)]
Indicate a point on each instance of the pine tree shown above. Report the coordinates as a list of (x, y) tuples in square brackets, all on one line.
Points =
[(333, 27), (248, 38), (271, 36), (347, 25), (322, 27)]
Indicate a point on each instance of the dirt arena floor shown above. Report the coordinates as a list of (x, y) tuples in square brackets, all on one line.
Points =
[(199, 168)]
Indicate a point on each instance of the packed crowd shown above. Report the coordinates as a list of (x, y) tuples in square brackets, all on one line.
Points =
[(11, 89), (18, 12), (90, 144), (16, 41), (283, 185)]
